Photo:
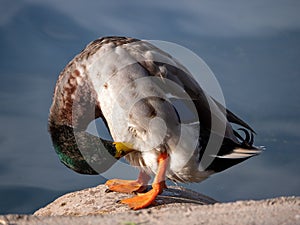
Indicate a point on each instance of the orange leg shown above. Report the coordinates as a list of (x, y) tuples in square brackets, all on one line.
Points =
[(144, 200), (129, 186)]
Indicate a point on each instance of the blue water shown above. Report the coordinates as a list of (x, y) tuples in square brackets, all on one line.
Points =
[(252, 49)]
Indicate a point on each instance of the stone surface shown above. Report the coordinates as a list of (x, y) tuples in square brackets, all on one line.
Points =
[(95, 201), (176, 206)]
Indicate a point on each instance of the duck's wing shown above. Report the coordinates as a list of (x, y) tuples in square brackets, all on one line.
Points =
[(158, 63)]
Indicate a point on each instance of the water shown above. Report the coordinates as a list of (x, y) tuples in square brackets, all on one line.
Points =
[(253, 52)]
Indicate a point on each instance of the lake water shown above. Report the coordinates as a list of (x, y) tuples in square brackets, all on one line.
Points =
[(252, 48)]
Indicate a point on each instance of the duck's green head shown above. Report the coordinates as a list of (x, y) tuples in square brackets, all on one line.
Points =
[(94, 152)]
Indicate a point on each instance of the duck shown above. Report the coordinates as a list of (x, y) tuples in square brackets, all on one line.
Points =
[(133, 86)]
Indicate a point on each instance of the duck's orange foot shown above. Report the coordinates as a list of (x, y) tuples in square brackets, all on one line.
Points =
[(145, 199), (141, 200), (125, 186)]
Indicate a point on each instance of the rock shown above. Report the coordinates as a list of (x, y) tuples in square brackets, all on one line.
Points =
[(176, 205), (95, 201), (282, 210)]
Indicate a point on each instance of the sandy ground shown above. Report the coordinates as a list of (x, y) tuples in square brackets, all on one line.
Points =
[(176, 206)]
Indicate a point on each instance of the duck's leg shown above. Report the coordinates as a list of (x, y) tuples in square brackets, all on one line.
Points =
[(129, 186), (146, 199)]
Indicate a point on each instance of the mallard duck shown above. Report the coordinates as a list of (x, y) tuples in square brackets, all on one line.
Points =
[(123, 81)]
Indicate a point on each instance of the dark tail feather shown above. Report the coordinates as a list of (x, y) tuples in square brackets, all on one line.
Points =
[(234, 119), (246, 142)]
